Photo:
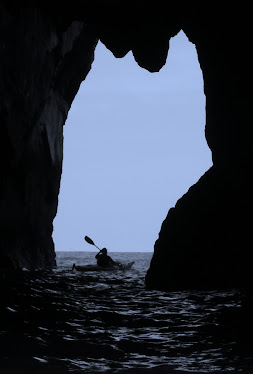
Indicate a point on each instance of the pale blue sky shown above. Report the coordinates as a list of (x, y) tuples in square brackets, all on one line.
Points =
[(133, 145)]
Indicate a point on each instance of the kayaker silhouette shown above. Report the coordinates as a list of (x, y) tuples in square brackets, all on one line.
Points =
[(103, 260)]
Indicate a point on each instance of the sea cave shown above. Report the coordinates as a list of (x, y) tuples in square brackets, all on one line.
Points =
[(47, 52)]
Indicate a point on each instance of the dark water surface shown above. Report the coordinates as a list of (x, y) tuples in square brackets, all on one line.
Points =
[(107, 322)]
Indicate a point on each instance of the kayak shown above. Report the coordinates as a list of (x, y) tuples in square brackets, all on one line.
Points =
[(117, 266)]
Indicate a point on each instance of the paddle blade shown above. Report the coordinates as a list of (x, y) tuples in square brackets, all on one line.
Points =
[(89, 240)]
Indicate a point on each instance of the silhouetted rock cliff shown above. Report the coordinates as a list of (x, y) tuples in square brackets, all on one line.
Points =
[(45, 55), (43, 61), (205, 240)]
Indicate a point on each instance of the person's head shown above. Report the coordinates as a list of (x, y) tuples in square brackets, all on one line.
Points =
[(104, 251)]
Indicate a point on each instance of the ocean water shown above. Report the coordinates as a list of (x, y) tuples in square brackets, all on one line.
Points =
[(62, 321)]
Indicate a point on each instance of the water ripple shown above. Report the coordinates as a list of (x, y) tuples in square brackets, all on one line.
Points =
[(109, 323)]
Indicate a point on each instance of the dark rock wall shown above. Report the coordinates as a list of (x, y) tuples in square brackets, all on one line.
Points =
[(205, 240), (43, 62)]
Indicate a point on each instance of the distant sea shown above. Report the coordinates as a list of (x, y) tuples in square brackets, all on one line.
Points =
[(64, 321), (67, 258)]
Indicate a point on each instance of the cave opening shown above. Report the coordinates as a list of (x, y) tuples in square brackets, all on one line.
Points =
[(133, 145)]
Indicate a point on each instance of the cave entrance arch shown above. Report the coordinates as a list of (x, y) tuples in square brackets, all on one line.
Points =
[(133, 144)]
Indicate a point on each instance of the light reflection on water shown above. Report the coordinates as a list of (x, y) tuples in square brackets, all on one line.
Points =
[(96, 322)]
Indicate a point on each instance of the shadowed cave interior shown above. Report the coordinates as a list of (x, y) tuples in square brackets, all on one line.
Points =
[(205, 237)]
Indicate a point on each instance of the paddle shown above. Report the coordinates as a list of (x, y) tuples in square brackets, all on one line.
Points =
[(90, 241)]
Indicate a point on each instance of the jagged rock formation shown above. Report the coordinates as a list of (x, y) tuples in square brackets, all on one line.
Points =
[(47, 52), (43, 62), (205, 240)]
